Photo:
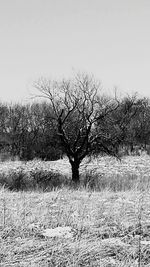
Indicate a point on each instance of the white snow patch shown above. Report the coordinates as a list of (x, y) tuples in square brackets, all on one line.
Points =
[(65, 232)]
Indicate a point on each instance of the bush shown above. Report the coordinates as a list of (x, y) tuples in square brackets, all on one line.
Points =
[(35, 179), (47, 180), (14, 180), (99, 182)]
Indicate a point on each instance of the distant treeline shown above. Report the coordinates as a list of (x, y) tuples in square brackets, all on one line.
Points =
[(30, 131), (76, 119)]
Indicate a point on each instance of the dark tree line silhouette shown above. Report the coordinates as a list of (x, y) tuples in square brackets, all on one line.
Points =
[(75, 119)]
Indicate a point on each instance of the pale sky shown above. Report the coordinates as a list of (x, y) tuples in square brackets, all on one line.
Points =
[(56, 38)]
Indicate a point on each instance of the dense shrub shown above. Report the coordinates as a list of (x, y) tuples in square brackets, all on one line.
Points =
[(48, 180), (99, 182), (36, 179)]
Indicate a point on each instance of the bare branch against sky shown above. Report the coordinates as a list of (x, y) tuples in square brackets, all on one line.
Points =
[(110, 39)]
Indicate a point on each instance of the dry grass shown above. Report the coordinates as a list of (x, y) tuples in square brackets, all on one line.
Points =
[(98, 174), (109, 228), (105, 228)]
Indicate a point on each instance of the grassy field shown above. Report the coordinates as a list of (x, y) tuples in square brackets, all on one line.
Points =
[(110, 225)]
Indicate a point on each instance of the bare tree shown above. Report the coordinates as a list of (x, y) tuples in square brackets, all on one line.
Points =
[(83, 118)]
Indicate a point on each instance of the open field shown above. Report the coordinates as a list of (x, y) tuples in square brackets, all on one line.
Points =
[(136, 165), (100, 174), (108, 228)]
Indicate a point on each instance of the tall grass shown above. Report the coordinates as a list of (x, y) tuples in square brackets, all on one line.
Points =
[(91, 180), (109, 229), (98, 174), (108, 215), (33, 180)]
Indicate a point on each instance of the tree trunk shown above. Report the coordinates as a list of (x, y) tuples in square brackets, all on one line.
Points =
[(75, 171)]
